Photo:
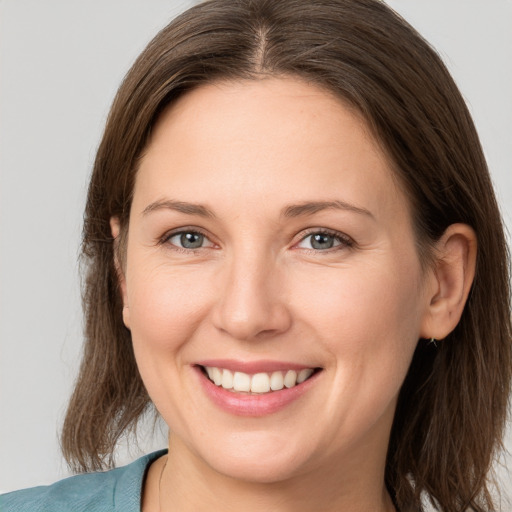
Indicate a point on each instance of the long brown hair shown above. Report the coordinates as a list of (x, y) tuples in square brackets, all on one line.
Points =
[(452, 407)]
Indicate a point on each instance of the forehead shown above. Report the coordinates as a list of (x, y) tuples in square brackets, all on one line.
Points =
[(277, 138)]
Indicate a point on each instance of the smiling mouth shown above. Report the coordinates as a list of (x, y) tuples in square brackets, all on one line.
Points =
[(258, 383)]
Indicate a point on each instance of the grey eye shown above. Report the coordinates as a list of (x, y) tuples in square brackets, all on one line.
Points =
[(189, 240), (320, 241)]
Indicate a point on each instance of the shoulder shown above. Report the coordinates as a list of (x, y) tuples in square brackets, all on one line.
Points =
[(110, 491)]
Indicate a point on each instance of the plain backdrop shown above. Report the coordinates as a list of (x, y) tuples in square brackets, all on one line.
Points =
[(61, 62)]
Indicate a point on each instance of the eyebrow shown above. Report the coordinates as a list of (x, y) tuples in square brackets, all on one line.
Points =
[(294, 210), (179, 206), (310, 208)]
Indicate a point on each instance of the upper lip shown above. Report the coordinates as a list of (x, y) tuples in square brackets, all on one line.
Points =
[(252, 367)]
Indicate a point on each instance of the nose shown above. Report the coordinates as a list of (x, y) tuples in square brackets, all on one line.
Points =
[(251, 301)]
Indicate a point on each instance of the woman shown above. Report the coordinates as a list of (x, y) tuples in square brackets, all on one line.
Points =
[(295, 254)]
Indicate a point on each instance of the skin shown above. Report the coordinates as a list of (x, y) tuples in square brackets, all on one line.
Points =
[(257, 289)]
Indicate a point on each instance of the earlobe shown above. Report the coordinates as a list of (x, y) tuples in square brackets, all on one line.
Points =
[(452, 277), (115, 228)]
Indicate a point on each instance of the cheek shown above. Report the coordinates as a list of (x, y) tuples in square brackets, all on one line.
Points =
[(367, 319), (166, 306), (367, 298), (367, 322)]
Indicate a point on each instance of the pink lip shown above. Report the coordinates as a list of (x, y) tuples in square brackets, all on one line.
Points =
[(252, 367), (252, 405)]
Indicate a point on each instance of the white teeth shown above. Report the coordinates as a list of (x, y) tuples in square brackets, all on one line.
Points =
[(241, 382), (259, 382), (276, 381), (304, 375), (217, 376), (290, 379), (227, 379)]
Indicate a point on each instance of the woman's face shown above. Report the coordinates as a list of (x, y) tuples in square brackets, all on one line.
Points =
[(267, 240)]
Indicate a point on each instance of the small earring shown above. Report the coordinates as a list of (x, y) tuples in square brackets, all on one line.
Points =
[(433, 341)]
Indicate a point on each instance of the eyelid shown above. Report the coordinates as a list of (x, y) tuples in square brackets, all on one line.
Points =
[(164, 239), (345, 240)]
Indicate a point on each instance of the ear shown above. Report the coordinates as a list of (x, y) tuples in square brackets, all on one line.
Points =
[(451, 279), (115, 228)]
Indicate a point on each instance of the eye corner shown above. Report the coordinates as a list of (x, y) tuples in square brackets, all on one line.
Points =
[(187, 240), (323, 240)]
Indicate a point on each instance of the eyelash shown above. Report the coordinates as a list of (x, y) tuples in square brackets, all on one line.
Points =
[(165, 240), (344, 240)]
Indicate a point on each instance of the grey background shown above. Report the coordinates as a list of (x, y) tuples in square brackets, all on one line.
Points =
[(61, 62)]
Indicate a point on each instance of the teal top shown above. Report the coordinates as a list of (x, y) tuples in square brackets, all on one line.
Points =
[(117, 490)]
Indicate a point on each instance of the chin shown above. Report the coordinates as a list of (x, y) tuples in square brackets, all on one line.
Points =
[(261, 460), (256, 471)]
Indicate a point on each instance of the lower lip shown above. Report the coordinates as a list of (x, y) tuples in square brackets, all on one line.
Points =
[(253, 405)]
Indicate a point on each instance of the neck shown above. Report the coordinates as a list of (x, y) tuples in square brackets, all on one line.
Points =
[(188, 484)]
